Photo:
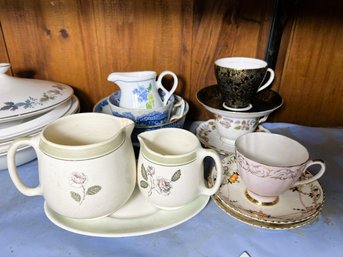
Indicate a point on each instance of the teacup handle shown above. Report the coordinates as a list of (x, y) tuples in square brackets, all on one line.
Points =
[(262, 119), (179, 110), (315, 177), (270, 80), (160, 86), (12, 168), (219, 168)]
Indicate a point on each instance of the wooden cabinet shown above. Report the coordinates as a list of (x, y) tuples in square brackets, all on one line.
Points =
[(80, 42)]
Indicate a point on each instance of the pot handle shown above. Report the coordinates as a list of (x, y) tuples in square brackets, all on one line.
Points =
[(219, 169), (12, 168), (159, 85)]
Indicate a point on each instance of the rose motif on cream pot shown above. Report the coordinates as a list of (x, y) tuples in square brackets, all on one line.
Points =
[(79, 180), (158, 184)]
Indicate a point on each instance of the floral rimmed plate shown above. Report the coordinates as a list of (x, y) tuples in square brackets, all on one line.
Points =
[(208, 135), (295, 205), (21, 98), (261, 224), (136, 217)]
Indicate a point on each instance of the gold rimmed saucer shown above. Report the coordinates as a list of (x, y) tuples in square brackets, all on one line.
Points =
[(296, 205), (262, 224)]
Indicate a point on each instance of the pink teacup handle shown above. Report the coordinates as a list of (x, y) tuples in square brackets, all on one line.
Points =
[(270, 80), (315, 177), (202, 153), (159, 85), (33, 142)]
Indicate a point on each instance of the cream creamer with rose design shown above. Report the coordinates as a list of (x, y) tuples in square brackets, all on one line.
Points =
[(86, 164), (170, 171)]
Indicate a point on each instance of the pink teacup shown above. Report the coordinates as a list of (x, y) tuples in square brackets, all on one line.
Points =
[(270, 164)]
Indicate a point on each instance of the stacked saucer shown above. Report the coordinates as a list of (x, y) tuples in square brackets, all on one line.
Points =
[(26, 107), (296, 207), (220, 133)]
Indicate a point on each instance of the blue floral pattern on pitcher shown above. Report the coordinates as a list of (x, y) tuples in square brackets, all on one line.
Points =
[(145, 96)]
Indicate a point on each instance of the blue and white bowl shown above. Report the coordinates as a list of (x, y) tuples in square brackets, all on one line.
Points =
[(142, 117), (103, 106)]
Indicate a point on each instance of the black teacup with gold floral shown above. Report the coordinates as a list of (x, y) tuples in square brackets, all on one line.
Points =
[(239, 79)]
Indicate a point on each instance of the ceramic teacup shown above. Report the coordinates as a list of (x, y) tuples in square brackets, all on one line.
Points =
[(86, 165), (230, 128), (239, 79), (170, 171), (148, 117), (270, 164)]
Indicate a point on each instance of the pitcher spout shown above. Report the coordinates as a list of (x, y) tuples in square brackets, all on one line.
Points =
[(134, 76), (128, 125)]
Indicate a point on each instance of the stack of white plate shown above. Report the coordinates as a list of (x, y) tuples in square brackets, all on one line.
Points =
[(26, 107)]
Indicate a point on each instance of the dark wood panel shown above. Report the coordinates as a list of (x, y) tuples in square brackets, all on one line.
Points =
[(311, 78), (81, 42), (144, 35), (3, 50), (52, 40)]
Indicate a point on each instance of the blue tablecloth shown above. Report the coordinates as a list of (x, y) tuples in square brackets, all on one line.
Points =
[(26, 231)]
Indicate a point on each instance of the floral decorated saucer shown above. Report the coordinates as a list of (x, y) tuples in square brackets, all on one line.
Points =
[(261, 224), (208, 135), (298, 204)]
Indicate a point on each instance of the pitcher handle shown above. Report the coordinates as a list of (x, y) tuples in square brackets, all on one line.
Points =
[(159, 85), (315, 177), (270, 80), (12, 168), (219, 169)]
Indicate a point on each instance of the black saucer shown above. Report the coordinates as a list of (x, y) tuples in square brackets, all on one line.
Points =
[(265, 100)]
